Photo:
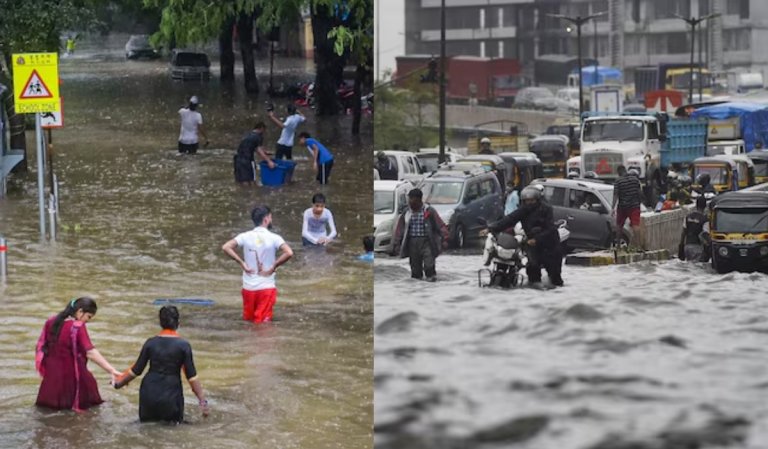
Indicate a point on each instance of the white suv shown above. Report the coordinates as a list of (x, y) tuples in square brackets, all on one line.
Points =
[(390, 198)]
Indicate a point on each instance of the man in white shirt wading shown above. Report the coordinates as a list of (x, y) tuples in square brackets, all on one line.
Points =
[(191, 124), (260, 247), (285, 143)]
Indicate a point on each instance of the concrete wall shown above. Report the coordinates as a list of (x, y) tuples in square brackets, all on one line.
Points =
[(662, 230)]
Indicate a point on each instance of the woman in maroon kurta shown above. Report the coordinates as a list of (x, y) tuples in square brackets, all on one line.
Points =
[(63, 351)]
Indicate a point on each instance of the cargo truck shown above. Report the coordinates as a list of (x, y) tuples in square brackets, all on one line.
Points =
[(674, 76), (650, 143), (733, 124)]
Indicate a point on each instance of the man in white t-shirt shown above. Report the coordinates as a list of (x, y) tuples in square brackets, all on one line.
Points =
[(260, 247), (285, 143), (191, 124)]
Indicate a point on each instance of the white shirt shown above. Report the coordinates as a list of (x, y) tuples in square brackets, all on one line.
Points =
[(289, 129), (260, 246), (314, 228), (190, 120)]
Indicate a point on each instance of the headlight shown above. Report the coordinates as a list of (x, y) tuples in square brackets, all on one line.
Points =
[(723, 251), (385, 227), (764, 251)]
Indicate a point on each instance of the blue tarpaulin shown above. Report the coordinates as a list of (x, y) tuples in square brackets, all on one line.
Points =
[(753, 120), (605, 75)]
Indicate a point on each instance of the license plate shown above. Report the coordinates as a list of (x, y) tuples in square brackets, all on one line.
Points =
[(743, 252)]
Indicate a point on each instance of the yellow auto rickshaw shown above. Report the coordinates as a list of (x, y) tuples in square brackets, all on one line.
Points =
[(738, 230), (760, 159), (553, 152), (504, 135), (726, 172)]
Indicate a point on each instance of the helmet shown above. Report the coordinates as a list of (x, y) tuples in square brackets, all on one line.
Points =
[(485, 140), (703, 179), (530, 193), (634, 172)]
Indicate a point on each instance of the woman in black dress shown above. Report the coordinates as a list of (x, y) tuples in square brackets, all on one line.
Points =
[(161, 396)]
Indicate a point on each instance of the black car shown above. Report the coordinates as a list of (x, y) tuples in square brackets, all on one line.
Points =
[(138, 46), (190, 65), (586, 207)]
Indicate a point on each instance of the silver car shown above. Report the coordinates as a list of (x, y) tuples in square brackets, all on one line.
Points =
[(190, 65)]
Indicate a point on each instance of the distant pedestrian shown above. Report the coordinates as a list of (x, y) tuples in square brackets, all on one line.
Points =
[(421, 236), (368, 242), (70, 45), (318, 228), (322, 158), (386, 167), (692, 246), (191, 125), (628, 195), (285, 143), (260, 248), (485, 146), (244, 161)]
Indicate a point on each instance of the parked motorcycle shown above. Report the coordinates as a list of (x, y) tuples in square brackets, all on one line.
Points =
[(507, 256)]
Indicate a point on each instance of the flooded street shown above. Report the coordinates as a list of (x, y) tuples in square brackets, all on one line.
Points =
[(139, 222), (645, 356)]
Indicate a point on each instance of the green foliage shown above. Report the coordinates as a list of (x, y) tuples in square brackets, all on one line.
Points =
[(400, 116), (358, 37), (36, 25)]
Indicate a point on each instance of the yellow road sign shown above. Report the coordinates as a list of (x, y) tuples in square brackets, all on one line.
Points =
[(36, 82)]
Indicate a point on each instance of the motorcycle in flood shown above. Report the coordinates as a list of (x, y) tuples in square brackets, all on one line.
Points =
[(507, 256)]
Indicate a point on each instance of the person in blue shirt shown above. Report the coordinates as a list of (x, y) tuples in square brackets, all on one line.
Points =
[(323, 159), (368, 245)]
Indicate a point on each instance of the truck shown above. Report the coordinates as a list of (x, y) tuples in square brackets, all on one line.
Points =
[(733, 125), (652, 144), (594, 76), (554, 69), (674, 76), (470, 79)]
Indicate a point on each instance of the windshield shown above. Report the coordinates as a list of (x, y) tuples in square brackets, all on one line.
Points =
[(192, 59), (549, 151), (139, 41), (714, 150), (682, 80), (613, 130), (607, 194), (742, 220), (429, 161), (761, 167), (383, 202), (442, 192), (717, 174)]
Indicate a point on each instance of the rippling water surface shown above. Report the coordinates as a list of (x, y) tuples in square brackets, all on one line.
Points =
[(647, 356), (139, 222)]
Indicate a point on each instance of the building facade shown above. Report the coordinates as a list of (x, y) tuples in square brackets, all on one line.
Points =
[(632, 33)]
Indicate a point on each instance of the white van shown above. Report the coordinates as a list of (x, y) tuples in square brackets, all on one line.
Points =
[(407, 165)]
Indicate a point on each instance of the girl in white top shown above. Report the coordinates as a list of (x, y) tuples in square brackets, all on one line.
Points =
[(318, 227)]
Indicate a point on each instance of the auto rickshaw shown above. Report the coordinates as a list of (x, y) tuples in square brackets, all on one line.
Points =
[(760, 159), (524, 169), (738, 229), (503, 170), (726, 172), (553, 152), (572, 130), (505, 135)]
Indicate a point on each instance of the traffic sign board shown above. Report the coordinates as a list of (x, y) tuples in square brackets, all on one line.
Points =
[(53, 119), (36, 82)]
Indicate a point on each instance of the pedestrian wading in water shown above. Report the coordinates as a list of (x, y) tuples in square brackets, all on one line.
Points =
[(61, 358), (318, 227), (420, 235), (161, 396)]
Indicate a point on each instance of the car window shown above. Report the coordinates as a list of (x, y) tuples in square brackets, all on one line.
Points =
[(653, 131), (555, 196), (486, 188), (383, 202), (401, 200), (407, 168), (473, 191), (442, 192), (583, 200)]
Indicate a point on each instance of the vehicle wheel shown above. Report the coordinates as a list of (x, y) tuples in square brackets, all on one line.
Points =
[(721, 267), (459, 236), (496, 279)]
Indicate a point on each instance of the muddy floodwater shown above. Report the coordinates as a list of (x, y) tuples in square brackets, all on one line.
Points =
[(139, 222), (646, 356)]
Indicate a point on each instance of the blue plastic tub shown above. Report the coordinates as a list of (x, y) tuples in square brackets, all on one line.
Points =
[(279, 175)]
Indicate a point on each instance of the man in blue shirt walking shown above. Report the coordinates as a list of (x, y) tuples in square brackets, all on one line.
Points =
[(322, 158)]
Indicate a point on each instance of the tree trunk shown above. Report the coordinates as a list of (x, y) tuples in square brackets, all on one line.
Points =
[(226, 51), (245, 33), (356, 105), (326, 98)]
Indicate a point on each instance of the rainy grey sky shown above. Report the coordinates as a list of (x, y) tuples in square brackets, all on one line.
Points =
[(390, 17)]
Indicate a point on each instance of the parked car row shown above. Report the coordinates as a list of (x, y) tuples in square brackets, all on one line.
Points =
[(184, 64)]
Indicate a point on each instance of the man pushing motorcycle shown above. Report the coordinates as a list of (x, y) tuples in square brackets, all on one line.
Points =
[(543, 242)]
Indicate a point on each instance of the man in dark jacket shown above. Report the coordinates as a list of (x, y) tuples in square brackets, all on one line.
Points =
[(543, 242), (692, 246), (420, 235)]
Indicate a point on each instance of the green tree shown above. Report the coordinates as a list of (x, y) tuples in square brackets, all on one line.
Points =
[(399, 118), (28, 26)]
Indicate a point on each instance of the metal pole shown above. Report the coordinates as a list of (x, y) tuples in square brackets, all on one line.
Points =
[(56, 195), (378, 48), (594, 78), (690, 69), (581, 75), (441, 155), (3, 260), (701, 39), (52, 216), (40, 173)]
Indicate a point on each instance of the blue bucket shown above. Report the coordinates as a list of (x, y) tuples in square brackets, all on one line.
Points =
[(279, 175)]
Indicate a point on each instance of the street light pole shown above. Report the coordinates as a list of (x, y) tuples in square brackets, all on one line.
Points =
[(579, 21), (378, 48), (693, 21), (441, 155)]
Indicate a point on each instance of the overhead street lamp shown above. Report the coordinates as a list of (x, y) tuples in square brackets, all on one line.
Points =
[(579, 21), (693, 21), (441, 133)]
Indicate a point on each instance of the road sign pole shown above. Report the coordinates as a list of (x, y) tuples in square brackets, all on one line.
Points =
[(40, 173)]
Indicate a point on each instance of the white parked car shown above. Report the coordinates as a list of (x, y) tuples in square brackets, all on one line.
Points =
[(539, 98), (569, 96), (405, 163), (390, 198)]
